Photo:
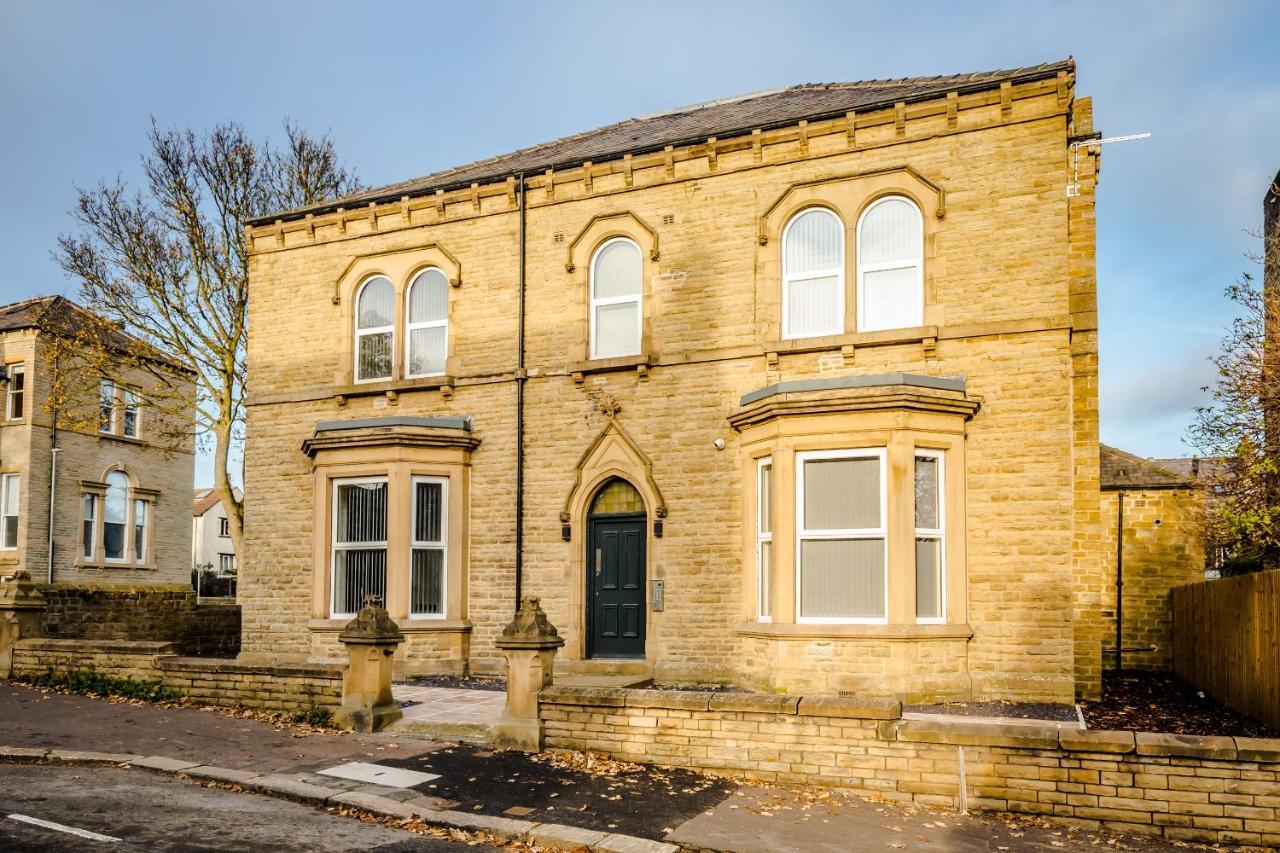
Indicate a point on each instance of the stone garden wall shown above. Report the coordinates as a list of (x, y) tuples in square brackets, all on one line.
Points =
[(1214, 789), (167, 613)]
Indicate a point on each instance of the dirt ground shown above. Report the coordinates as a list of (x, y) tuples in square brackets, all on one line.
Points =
[(1158, 702)]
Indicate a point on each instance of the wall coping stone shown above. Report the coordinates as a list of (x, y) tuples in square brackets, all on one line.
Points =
[(850, 707), (676, 700), (978, 734), (1195, 746), (136, 647), (759, 703), (1092, 740), (610, 697), (115, 588), (191, 664), (1258, 749)]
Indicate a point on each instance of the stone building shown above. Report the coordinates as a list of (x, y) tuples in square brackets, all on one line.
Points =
[(796, 390), (113, 494)]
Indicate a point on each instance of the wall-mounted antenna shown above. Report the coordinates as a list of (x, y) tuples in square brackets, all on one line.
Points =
[(1073, 188)]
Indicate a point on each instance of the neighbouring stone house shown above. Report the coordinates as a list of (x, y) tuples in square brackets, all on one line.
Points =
[(796, 390), (212, 548), (1159, 506), (113, 494)]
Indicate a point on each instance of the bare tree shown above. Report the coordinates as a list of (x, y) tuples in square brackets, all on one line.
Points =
[(1242, 423), (169, 266)]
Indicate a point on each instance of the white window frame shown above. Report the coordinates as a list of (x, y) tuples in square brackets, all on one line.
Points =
[(136, 503), (131, 399), (606, 301), (376, 330), (788, 277), (91, 545), (14, 371), (128, 519), (110, 427), (8, 483), (424, 324), (901, 264), (223, 570), (803, 534), (334, 545), (442, 545), (939, 533), (764, 540)]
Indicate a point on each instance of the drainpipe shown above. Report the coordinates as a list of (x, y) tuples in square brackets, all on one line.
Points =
[(1119, 577), (53, 493), (520, 380)]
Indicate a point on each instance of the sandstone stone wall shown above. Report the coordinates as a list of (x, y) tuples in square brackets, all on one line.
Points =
[(158, 613), (1212, 789)]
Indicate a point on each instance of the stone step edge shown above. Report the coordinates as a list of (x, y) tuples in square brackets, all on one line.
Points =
[(547, 835)]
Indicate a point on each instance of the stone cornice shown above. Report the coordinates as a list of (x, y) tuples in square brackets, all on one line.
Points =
[(872, 398), (400, 435)]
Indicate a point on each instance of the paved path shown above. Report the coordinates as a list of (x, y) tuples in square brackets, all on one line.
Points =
[(147, 811)]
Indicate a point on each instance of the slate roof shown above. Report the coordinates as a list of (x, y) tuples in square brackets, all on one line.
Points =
[(723, 118), (1120, 470), (61, 315), (1194, 467)]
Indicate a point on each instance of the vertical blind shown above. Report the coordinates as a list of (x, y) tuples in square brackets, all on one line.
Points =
[(813, 271), (428, 328), (426, 569), (890, 260), (360, 544), (617, 282), (842, 542), (764, 540), (929, 595)]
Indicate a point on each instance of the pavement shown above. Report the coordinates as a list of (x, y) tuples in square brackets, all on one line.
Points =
[(557, 801)]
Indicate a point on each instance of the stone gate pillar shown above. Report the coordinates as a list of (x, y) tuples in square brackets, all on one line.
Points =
[(371, 640), (529, 644), (22, 607)]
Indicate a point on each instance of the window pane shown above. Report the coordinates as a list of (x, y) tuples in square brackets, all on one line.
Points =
[(927, 492), (618, 496), (842, 578), (891, 299), (89, 512), (890, 232), (429, 298), (426, 590), (427, 350), (813, 242), (813, 307), (357, 573), (375, 356), (376, 305), (17, 382), (106, 405), (139, 530), (766, 498), (617, 330), (765, 572), (113, 539), (842, 494), (428, 512), (362, 513), (11, 487), (619, 270), (928, 579)]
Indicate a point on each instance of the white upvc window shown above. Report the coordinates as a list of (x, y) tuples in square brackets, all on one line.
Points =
[(10, 496), (15, 399), (375, 329), (842, 559), (89, 526), (106, 406), (226, 565), (930, 525), (890, 265), (813, 274), (427, 323), (617, 295), (428, 551), (132, 413), (359, 543), (141, 527), (764, 539), (115, 518)]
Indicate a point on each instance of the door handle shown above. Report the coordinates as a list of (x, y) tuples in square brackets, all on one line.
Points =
[(599, 560)]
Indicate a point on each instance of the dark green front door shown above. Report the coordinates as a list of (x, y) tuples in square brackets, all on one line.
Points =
[(615, 587)]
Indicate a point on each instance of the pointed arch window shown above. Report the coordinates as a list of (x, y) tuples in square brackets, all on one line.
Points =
[(617, 285), (813, 274), (427, 324), (890, 265), (375, 329)]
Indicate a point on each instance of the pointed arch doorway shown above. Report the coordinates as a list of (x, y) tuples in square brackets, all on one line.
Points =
[(616, 569)]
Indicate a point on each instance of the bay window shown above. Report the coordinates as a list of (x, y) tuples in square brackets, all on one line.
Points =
[(764, 538), (359, 542), (617, 285), (427, 548), (930, 553)]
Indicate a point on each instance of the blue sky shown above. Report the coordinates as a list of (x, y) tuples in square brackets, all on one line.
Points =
[(406, 89)]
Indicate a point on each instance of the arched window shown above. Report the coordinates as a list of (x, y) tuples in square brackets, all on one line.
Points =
[(375, 329), (115, 517), (813, 274), (617, 497), (617, 280), (890, 266), (427, 329)]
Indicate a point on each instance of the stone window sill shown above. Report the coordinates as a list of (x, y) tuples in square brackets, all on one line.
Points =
[(888, 337), (775, 630), (641, 362), (369, 389), (103, 564), (407, 626), (123, 439)]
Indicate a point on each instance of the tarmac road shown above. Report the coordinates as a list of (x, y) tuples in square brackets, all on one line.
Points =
[(147, 811)]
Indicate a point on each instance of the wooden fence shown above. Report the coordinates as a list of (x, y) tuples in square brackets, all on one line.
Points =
[(1226, 641)]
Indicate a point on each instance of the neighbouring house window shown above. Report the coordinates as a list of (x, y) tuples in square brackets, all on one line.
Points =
[(224, 527), (764, 538), (813, 274), (115, 512), (140, 531), (359, 542), (617, 286), (226, 564), (17, 388), (427, 331), (890, 265), (930, 585), (841, 536), (427, 559), (375, 329), (10, 486), (106, 406), (89, 530), (132, 421)]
